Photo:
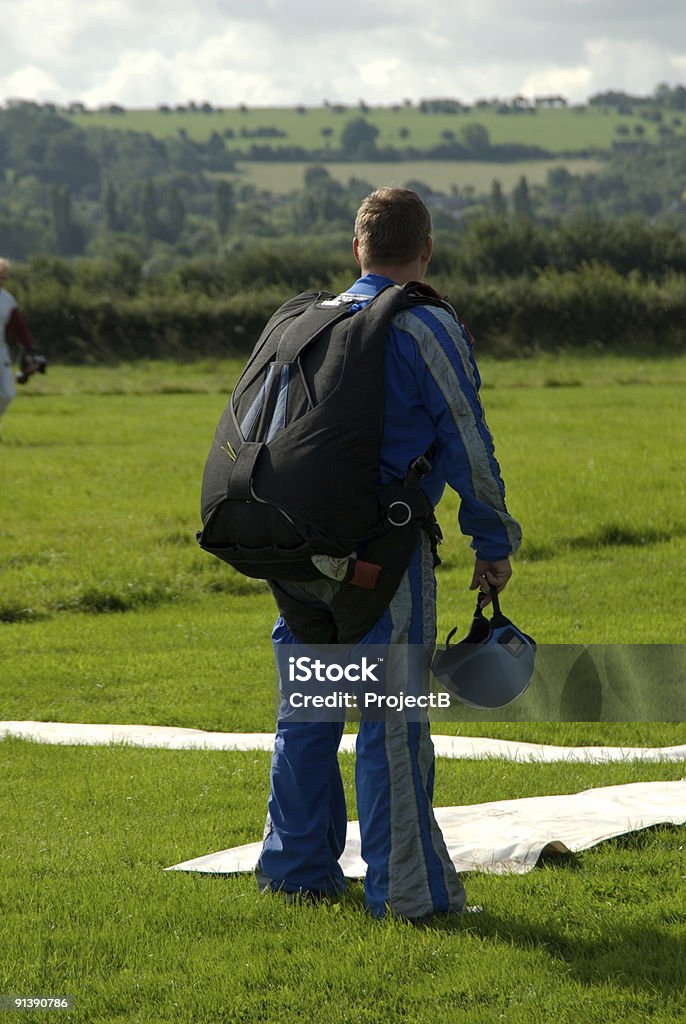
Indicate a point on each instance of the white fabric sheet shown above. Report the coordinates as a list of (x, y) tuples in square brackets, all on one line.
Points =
[(510, 835), (507, 835), (465, 747)]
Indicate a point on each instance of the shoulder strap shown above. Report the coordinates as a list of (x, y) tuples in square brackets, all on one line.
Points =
[(304, 328), (419, 293), (318, 317), (290, 310)]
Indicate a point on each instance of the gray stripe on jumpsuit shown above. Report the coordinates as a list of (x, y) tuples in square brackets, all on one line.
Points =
[(485, 483), (408, 885)]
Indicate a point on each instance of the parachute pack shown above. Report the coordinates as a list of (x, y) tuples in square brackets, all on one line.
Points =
[(290, 489)]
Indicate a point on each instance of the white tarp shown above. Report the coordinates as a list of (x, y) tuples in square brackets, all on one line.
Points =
[(510, 835), (466, 747)]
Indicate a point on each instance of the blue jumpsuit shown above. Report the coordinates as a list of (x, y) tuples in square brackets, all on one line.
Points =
[(431, 397)]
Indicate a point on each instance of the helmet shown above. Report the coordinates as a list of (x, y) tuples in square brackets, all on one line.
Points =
[(492, 666)]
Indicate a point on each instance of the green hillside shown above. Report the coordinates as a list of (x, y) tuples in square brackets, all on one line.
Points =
[(166, 185), (282, 177), (556, 130)]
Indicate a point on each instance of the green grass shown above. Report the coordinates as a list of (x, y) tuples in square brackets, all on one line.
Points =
[(103, 580), (112, 614), (555, 130), (105, 468), (280, 178), (88, 911)]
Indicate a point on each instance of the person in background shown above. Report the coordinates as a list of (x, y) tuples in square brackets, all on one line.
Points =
[(13, 326)]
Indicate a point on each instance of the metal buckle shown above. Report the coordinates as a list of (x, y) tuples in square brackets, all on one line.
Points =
[(401, 505)]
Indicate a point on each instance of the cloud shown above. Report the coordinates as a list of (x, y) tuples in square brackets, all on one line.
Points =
[(285, 52), (29, 82), (634, 66)]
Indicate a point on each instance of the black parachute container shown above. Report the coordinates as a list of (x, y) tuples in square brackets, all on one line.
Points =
[(294, 466)]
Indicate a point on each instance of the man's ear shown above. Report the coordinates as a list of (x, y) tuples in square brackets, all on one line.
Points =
[(356, 252), (429, 248)]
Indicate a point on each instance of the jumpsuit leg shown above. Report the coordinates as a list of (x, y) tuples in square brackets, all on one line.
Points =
[(307, 817), (409, 870)]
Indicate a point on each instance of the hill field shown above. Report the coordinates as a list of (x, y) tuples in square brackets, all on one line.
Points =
[(557, 130), (281, 177)]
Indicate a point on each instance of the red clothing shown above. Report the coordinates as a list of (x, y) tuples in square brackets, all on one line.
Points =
[(17, 328)]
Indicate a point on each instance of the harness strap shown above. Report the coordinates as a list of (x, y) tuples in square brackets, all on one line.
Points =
[(302, 331), (241, 474)]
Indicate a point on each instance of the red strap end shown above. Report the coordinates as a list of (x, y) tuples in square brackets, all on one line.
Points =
[(365, 575)]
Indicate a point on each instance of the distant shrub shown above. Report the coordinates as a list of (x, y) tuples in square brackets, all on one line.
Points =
[(590, 306)]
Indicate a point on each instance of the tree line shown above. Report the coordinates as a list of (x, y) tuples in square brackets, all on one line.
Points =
[(126, 245), (521, 287), (68, 192)]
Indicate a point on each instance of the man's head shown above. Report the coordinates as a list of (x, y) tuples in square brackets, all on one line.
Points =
[(4, 269), (393, 234)]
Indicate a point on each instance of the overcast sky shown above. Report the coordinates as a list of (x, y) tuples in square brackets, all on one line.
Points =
[(282, 52)]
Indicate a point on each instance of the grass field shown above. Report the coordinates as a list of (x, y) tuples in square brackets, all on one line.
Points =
[(555, 130), (280, 178), (89, 912), (110, 613)]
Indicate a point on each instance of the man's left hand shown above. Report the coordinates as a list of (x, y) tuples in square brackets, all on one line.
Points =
[(490, 574)]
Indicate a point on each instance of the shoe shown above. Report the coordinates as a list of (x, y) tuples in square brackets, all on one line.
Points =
[(302, 895), (308, 896), (442, 915)]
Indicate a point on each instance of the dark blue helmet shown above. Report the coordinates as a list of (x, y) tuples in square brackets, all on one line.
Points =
[(492, 666)]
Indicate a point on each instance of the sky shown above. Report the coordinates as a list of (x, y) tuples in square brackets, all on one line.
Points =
[(288, 52)]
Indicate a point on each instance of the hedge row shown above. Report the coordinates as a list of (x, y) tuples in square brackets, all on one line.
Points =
[(591, 306), (82, 330)]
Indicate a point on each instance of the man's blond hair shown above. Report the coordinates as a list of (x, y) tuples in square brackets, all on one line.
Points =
[(4, 265), (392, 227)]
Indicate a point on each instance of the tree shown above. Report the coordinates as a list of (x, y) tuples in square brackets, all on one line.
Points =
[(224, 207), (662, 94), (477, 140), (316, 175), (497, 201), (321, 201), (358, 138), (68, 235), (521, 200), (176, 215), (559, 183), (67, 159), (218, 157), (151, 224), (110, 206)]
